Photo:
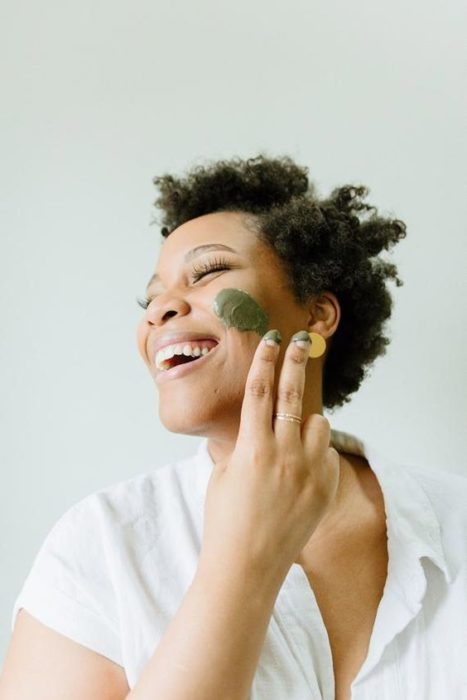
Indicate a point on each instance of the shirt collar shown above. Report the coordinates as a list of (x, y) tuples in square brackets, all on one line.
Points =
[(413, 527)]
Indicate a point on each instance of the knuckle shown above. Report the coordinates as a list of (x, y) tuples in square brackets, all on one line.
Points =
[(319, 422), (268, 356), (290, 467), (289, 394), (256, 455), (297, 355), (320, 492), (259, 387)]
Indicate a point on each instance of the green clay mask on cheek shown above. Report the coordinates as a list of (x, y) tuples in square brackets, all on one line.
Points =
[(239, 310)]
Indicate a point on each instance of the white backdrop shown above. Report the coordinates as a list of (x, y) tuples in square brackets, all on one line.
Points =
[(97, 98)]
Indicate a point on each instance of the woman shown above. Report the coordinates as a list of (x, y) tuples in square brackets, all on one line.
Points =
[(282, 561)]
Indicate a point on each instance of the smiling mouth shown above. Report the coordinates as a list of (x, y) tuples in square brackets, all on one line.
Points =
[(185, 352), (182, 359)]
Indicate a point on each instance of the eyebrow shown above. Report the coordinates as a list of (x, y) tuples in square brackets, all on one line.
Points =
[(194, 252)]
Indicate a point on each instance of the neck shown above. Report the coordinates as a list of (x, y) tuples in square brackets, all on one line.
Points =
[(355, 520)]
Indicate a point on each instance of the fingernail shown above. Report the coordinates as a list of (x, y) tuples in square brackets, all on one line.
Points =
[(302, 339), (272, 338)]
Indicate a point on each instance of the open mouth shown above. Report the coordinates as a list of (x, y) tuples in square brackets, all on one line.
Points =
[(180, 360), (178, 364)]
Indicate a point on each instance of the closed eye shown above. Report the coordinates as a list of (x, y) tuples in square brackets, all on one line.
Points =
[(197, 274), (213, 266)]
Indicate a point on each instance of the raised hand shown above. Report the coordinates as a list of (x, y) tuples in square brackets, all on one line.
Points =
[(264, 502)]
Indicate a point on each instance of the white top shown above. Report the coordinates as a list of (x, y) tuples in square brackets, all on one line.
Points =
[(113, 570)]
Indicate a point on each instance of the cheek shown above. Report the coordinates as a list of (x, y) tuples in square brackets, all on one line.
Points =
[(141, 337), (238, 309)]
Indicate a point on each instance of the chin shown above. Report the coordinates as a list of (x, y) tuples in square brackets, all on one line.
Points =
[(185, 422), (184, 429)]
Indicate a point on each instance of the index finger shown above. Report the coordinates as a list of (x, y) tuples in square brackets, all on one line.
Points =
[(255, 417)]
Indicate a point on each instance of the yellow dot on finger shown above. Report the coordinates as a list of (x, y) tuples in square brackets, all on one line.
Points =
[(318, 345)]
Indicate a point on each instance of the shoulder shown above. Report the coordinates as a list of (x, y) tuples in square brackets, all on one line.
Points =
[(123, 504), (79, 569)]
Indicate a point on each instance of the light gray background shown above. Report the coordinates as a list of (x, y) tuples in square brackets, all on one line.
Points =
[(97, 98)]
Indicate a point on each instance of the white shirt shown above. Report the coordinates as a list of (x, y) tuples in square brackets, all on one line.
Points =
[(113, 571)]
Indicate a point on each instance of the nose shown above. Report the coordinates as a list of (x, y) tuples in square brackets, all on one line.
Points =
[(163, 308)]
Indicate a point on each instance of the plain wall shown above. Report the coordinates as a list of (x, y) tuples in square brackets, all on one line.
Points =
[(98, 98)]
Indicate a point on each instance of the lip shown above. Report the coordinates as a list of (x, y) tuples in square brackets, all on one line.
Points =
[(166, 375)]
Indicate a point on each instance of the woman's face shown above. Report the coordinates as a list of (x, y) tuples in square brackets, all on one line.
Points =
[(236, 306)]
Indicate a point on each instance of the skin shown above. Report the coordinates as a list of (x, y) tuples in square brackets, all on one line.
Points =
[(194, 404), (237, 309)]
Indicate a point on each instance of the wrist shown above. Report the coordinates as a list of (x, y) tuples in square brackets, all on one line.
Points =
[(240, 579)]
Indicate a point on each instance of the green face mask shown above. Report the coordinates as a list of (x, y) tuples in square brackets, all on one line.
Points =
[(237, 309)]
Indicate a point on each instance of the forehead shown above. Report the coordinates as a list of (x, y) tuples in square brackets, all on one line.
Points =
[(233, 229), (218, 232), (222, 227)]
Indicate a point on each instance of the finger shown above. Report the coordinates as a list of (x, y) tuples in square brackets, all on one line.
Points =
[(321, 457), (316, 436), (291, 387), (255, 417)]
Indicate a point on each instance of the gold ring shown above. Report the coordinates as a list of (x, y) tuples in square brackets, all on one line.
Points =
[(288, 416)]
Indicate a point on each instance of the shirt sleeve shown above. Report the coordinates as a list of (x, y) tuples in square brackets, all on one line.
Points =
[(69, 586)]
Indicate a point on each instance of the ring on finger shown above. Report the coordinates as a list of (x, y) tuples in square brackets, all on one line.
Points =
[(288, 416)]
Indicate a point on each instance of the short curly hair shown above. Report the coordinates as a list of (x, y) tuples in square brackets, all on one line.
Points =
[(324, 243)]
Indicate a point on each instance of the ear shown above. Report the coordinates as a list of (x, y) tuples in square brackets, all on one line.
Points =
[(325, 314)]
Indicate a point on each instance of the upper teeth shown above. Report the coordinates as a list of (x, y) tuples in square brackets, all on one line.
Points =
[(188, 349)]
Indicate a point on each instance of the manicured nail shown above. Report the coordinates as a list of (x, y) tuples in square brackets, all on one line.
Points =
[(302, 339), (272, 338)]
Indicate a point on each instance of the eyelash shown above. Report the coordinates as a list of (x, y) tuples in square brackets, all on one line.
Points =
[(197, 272)]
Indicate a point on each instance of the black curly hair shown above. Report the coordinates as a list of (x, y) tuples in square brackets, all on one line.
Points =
[(325, 244)]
